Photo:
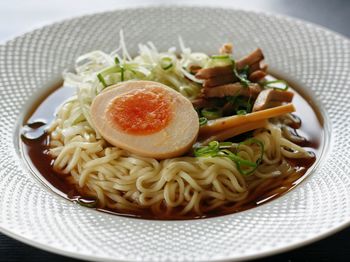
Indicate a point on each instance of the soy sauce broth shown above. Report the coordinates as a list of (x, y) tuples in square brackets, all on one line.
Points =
[(35, 144)]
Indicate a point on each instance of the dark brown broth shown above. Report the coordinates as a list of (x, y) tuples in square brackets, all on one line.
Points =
[(35, 141)]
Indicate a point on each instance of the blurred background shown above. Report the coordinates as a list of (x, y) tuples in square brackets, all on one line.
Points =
[(20, 16)]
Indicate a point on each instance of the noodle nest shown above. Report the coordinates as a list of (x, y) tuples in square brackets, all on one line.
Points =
[(130, 183)]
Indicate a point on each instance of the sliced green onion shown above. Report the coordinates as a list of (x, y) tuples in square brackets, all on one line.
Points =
[(241, 105), (219, 60), (122, 70), (241, 112), (211, 150), (258, 161), (244, 104), (220, 149), (211, 113), (255, 141), (246, 172), (220, 57), (166, 63), (102, 80), (245, 71), (240, 161), (101, 75), (214, 144), (203, 121), (243, 75), (276, 84)]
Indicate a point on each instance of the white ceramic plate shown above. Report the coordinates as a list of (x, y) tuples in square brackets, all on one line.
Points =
[(318, 59)]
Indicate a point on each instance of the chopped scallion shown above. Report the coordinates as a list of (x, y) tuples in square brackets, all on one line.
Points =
[(242, 76), (241, 112), (166, 63), (212, 149), (239, 161), (221, 149), (220, 57), (211, 113), (102, 80), (258, 161), (122, 70), (276, 84), (219, 60), (110, 70), (202, 121)]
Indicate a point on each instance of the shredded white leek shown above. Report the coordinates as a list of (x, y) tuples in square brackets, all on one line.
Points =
[(119, 66)]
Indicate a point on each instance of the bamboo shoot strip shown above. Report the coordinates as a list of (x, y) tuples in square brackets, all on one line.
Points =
[(234, 131), (214, 126)]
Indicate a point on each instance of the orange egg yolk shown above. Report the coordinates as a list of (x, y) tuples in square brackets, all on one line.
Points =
[(141, 112)]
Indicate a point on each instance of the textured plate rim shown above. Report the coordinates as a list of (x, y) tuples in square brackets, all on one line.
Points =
[(309, 240)]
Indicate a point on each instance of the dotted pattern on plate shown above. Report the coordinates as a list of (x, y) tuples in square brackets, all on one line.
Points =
[(319, 59)]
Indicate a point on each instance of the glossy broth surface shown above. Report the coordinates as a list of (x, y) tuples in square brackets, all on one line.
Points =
[(35, 145)]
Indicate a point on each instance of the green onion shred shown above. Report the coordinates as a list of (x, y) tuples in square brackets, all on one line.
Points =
[(221, 149), (102, 80), (276, 84), (166, 63), (211, 113), (110, 70), (241, 105), (203, 121), (122, 71), (241, 112), (219, 57), (87, 202), (242, 75)]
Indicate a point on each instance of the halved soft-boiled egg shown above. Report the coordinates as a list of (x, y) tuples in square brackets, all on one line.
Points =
[(146, 118)]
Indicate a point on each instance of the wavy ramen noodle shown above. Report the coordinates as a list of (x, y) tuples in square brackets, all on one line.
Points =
[(188, 184)]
